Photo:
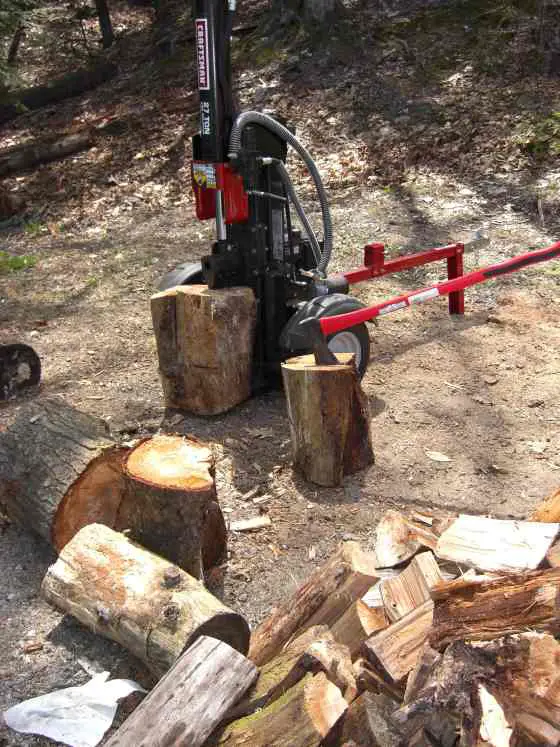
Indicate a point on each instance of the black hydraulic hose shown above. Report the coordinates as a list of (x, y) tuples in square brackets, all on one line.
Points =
[(271, 124)]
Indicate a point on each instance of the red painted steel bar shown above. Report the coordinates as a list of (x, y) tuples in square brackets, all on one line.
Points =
[(375, 265), (332, 324)]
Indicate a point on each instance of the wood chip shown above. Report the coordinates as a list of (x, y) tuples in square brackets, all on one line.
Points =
[(248, 525)]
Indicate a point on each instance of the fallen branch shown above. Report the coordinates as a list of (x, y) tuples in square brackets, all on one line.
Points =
[(14, 160)]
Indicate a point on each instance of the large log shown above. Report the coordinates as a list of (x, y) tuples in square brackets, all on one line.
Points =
[(122, 591), (205, 346), (302, 717), (169, 490), (190, 701), (71, 84), (321, 600), (329, 418), (14, 160), (53, 459), (495, 544), (483, 610), (398, 647)]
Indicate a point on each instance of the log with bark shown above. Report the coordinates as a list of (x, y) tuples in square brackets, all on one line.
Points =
[(128, 594), (304, 715), (71, 84), (191, 699), (205, 346), (321, 600), (329, 418), (169, 490), (482, 610), (367, 722), (20, 158), (59, 470), (495, 544)]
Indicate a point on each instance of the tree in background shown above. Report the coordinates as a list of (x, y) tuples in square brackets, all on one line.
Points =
[(105, 24), (11, 33)]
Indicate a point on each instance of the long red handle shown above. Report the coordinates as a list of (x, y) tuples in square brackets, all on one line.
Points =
[(332, 324)]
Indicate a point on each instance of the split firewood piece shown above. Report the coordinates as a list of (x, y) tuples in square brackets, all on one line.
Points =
[(411, 588), (553, 554), (398, 647), (205, 346), (496, 544), (483, 610), (321, 600), (358, 623), (549, 509), (169, 490), (398, 539), (122, 591), (59, 470), (418, 677), (304, 715), (329, 418), (372, 679), (190, 701), (367, 722)]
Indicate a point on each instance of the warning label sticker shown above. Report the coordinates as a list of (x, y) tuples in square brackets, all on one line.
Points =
[(204, 174), (392, 307), (423, 296), (201, 40)]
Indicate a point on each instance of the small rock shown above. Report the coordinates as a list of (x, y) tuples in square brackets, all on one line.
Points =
[(535, 403), (491, 380)]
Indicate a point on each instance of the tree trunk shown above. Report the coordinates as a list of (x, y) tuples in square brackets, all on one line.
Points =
[(18, 159), (169, 490), (71, 84), (105, 25), (480, 611), (59, 470), (302, 717), (329, 419), (205, 346), (321, 600), (311, 11), (14, 45), (191, 700), (120, 590)]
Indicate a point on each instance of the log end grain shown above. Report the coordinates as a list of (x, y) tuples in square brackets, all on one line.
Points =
[(172, 462)]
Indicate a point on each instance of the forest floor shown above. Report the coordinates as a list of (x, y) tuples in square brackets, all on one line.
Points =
[(429, 126)]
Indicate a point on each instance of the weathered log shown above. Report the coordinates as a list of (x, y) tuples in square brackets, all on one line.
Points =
[(358, 623), (304, 715), (322, 599), (496, 545), (190, 701), (329, 418), (549, 509), (168, 491), (367, 722), (398, 647), (481, 611), (205, 346), (59, 470), (14, 160), (71, 84), (122, 591), (411, 588)]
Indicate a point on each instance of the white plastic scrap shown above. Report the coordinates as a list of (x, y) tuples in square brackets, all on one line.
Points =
[(77, 716)]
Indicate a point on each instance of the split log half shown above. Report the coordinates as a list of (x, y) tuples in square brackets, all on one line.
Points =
[(14, 160), (329, 418), (59, 470), (549, 509), (205, 343), (169, 490), (358, 623), (304, 715), (122, 591), (190, 701), (481, 611), (398, 647), (495, 544), (411, 588), (321, 600)]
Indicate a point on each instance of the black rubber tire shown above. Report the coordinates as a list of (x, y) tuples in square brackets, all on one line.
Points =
[(360, 331)]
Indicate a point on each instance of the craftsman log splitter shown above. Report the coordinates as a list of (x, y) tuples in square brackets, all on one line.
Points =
[(240, 180)]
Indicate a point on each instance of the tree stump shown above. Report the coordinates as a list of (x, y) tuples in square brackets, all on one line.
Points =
[(329, 419), (120, 590), (59, 470), (205, 346), (189, 702), (169, 491)]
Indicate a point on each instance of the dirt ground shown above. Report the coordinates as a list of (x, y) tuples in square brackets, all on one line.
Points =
[(483, 389)]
